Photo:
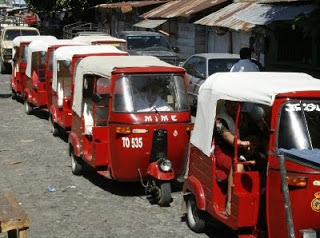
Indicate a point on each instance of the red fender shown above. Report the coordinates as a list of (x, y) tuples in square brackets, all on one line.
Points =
[(53, 112), (74, 143), (27, 94), (154, 171), (192, 185)]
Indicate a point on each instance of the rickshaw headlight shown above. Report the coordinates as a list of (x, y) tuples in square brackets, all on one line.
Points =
[(165, 165)]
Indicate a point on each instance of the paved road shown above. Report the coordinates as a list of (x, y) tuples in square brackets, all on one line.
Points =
[(31, 160)]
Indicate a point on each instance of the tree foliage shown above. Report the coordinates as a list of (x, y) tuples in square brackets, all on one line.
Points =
[(55, 5)]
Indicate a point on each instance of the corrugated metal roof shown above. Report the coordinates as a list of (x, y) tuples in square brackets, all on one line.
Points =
[(246, 15), (131, 3), (224, 17), (181, 8), (264, 14), (150, 24)]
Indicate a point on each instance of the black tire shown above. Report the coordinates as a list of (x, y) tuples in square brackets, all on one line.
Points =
[(163, 194), (2, 67), (13, 94), (28, 107), (195, 218), (76, 166), (55, 127)]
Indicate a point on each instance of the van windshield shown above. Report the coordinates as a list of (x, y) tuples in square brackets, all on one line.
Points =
[(148, 43), (146, 93), (299, 126), (11, 34)]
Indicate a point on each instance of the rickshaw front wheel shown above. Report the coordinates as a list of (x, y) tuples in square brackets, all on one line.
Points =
[(195, 217), (163, 194), (13, 94), (55, 127), (76, 166)]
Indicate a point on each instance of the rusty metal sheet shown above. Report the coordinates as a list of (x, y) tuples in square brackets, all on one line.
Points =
[(133, 4), (225, 17), (149, 23), (180, 8)]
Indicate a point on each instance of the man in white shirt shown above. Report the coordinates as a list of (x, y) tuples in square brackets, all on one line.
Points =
[(245, 64), (151, 100)]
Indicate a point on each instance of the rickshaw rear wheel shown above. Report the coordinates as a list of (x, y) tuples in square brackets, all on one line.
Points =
[(195, 218), (76, 166), (28, 107), (163, 194)]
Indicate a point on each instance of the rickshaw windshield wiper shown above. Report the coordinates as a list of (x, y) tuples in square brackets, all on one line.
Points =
[(155, 109), (306, 125)]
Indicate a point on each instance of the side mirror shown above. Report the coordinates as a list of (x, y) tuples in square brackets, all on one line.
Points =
[(67, 64), (176, 49), (96, 97)]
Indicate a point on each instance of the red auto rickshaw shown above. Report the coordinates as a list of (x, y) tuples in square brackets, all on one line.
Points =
[(120, 44), (131, 121), (277, 194), (65, 60), (19, 61), (39, 68)]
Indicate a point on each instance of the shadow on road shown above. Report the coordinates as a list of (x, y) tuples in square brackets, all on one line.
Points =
[(215, 229), (112, 186), (123, 188), (5, 95)]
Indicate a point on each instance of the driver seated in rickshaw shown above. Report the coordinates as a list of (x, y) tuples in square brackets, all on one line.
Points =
[(224, 141), (150, 98)]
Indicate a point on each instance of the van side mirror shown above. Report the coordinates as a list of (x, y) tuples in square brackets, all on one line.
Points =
[(176, 49)]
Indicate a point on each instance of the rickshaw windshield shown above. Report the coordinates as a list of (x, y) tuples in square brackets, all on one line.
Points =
[(145, 93), (299, 126)]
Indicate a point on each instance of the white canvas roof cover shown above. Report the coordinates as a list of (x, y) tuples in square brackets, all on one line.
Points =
[(255, 87), (67, 53), (36, 46), (17, 41), (93, 38), (104, 66)]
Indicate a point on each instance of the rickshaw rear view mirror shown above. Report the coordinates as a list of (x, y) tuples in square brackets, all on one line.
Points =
[(67, 64), (96, 97)]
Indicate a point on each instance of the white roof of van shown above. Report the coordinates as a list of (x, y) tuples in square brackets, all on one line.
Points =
[(93, 38), (255, 87)]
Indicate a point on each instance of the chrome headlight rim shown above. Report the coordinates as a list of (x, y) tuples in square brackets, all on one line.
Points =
[(165, 165)]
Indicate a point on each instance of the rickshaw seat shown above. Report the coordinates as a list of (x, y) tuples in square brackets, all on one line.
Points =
[(60, 95), (87, 115)]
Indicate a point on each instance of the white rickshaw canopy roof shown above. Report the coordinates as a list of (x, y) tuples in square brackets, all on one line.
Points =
[(20, 39), (104, 66), (67, 52), (255, 87), (37, 45)]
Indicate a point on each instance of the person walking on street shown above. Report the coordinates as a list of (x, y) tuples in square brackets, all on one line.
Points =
[(245, 64)]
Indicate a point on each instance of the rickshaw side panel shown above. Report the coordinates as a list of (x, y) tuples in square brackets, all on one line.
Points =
[(246, 198), (101, 146), (192, 185), (199, 165)]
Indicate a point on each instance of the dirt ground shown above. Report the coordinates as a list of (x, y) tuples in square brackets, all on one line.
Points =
[(35, 167)]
